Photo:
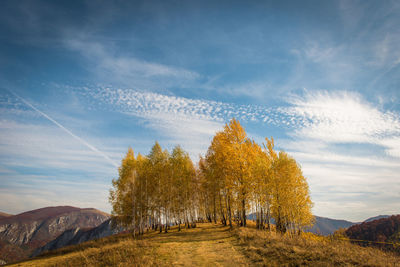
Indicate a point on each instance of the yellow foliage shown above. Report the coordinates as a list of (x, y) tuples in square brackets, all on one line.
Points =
[(236, 177)]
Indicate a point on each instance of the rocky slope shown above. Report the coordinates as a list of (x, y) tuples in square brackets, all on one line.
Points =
[(78, 235), (21, 234)]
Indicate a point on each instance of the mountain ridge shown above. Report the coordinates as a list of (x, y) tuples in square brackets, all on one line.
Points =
[(67, 225), (327, 226), (322, 225), (77, 235), (379, 232), (21, 234), (377, 218)]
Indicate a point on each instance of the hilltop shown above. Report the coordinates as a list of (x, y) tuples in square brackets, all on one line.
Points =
[(213, 244), (383, 230), (21, 234), (327, 226), (377, 218)]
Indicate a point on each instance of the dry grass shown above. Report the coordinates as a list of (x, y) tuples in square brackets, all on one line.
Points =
[(206, 245), (124, 253), (271, 249), (215, 245)]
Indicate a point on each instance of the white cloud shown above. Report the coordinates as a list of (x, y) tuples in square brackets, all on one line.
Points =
[(144, 104), (80, 140), (188, 122), (319, 124), (180, 120), (43, 166), (343, 117), (392, 145), (346, 183), (106, 64), (21, 198), (193, 134), (48, 147)]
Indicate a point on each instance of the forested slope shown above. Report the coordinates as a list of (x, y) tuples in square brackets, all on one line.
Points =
[(381, 231)]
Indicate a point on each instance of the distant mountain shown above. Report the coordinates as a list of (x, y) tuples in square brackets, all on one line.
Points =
[(21, 234), (4, 215), (322, 225), (377, 218), (381, 230), (327, 226), (253, 217), (77, 235)]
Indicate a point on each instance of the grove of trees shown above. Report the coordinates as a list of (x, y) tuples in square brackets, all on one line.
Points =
[(236, 177)]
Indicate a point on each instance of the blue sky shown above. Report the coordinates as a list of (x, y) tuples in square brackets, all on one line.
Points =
[(81, 81)]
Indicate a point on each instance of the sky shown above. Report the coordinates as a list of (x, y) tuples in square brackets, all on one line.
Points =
[(81, 81)]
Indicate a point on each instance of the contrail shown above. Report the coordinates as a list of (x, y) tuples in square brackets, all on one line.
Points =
[(94, 149)]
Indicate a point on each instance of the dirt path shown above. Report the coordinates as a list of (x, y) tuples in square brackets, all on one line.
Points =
[(206, 245)]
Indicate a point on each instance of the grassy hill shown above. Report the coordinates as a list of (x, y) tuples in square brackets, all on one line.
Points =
[(210, 245)]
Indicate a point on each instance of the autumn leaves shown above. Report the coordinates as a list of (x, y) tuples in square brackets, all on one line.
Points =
[(155, 191), (237, 176), (240, 176)]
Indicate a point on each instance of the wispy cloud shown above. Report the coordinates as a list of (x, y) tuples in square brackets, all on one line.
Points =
[(179, 120), (338, 137), (343, 117), (85, 143), (145, 104), (44, 146), (19, 197), (106, 64), (328, 117), (320, 127), (41, 165)]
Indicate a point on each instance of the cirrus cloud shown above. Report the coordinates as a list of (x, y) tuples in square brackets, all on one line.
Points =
[(344, 117)]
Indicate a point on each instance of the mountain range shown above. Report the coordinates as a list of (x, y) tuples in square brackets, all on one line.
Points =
[(22, 234), (322, 225), (34, 232), (77, 235), (327, 226)]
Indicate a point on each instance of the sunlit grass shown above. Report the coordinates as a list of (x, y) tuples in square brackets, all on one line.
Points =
[(272, 249), (216, 245)]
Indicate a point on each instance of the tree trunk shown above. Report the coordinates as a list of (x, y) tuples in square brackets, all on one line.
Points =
[(215, 209), (244, 212), (222, 212), (229, 213), (269, 218), (166, 223)]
